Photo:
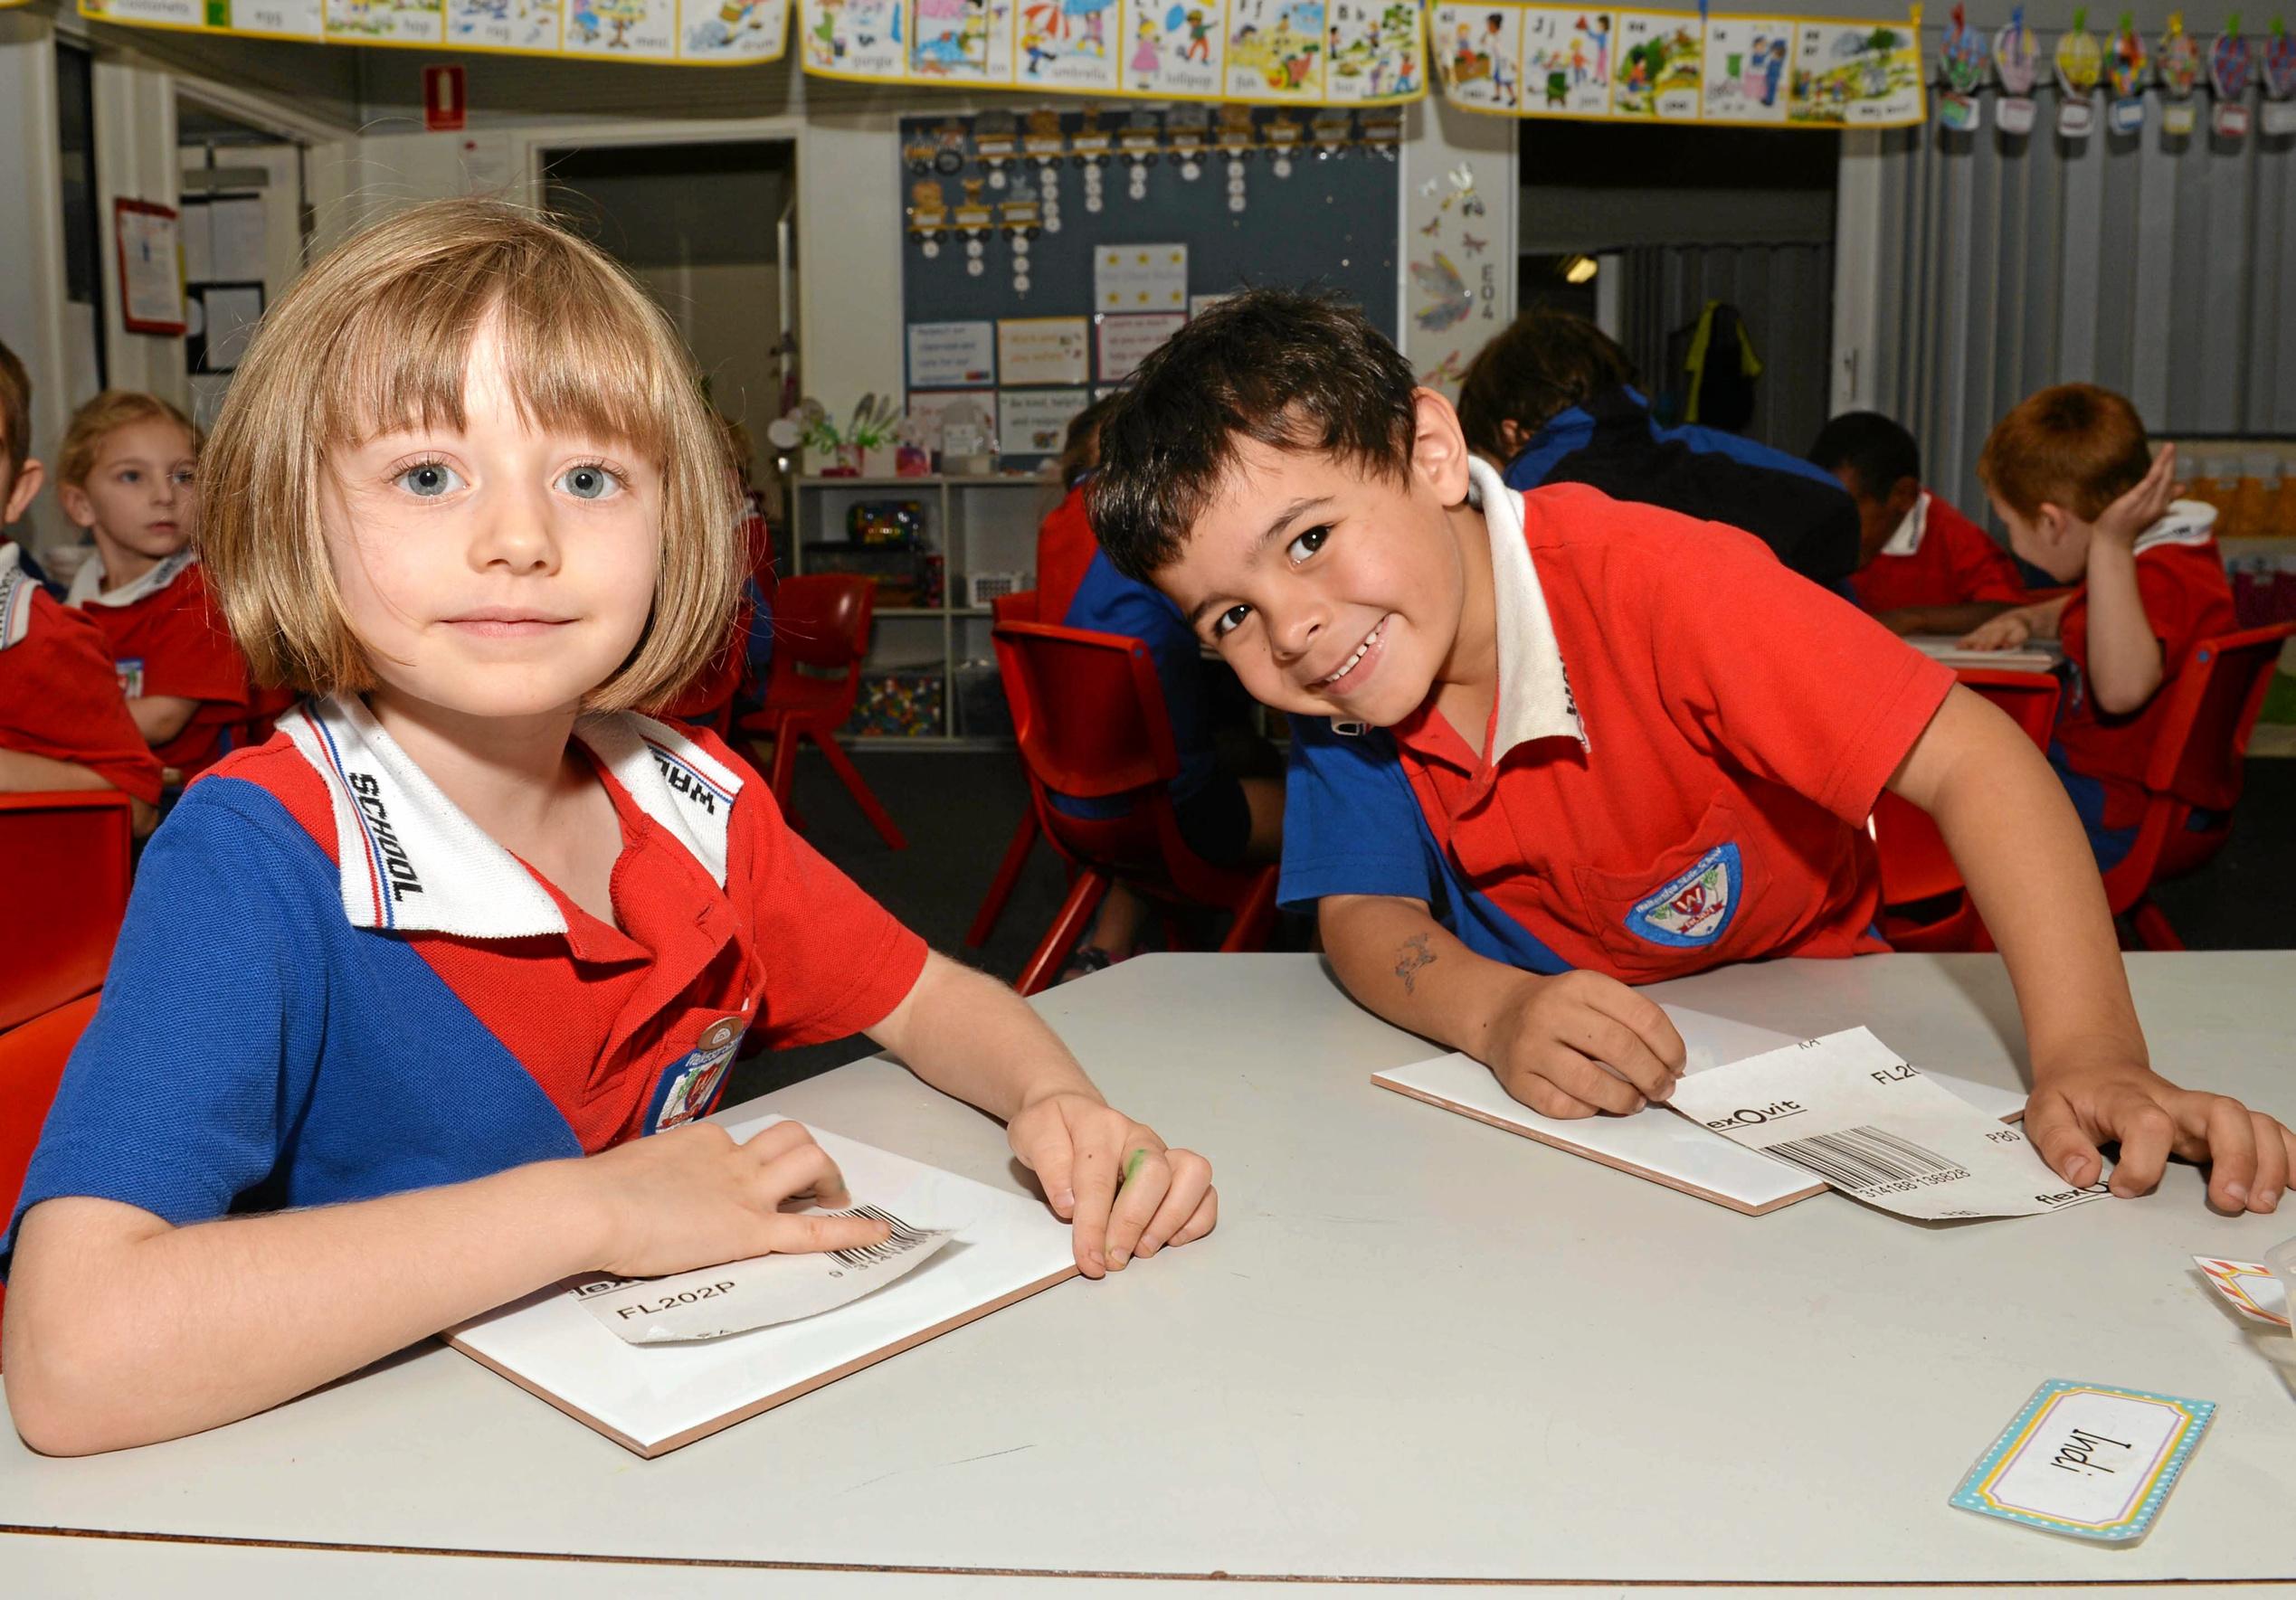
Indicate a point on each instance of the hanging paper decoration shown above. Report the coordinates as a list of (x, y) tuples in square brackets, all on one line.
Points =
[(2178, 65), (2279, 112), (1601, 63), (2016, 57), (1961, 60), (675, 32), (2080, 63), (2228, 71), (2127, 65)]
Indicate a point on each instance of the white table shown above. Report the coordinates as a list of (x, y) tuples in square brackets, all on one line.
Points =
[(1417, 1347), (2043, 655)]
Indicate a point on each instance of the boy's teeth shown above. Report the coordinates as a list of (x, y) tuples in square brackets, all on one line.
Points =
[(1348, 666)]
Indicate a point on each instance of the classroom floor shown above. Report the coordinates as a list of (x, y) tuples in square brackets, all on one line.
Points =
[(959, 809)]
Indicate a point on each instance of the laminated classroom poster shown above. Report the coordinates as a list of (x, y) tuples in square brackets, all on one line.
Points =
[(503, 25), (732, 30), (284, 19), (1069, 45), (1660, 68), (1478, 49), (1275, 50), (1857, 75), (1566, 61), (1177, 48), (625, 29), (1376, 50), (855, 38), (1749, 69), (387, 21), (155, 13)]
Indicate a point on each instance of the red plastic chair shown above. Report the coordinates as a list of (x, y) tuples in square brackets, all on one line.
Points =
[(1915, 864), (1007, 608), (2197, 766), (67, 859), (1089, 714), (31, 1064), (820, 637)]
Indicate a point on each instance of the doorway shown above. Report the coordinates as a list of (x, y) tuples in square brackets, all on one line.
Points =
[(245, 228)]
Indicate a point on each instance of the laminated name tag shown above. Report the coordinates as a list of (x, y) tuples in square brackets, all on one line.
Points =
[(2088, 1460), (1847, 1108), (758, 1293)]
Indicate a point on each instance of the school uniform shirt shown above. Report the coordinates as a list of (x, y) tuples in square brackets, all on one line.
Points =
[(332, 985), (57, 695), (1686, 744), (1937, 557), (2102, 758), (1614, 444), (1078, 586), (168, 638)]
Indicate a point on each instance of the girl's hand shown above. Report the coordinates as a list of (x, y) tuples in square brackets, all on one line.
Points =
[(692, 1197), (1126, 1194)]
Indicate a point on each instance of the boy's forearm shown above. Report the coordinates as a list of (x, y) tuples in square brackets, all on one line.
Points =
[(971, 1036), (160, 717), (2014, 834), (1397, 960), (2125, 663), (22, 773), (1954, 620), (123, 1330)]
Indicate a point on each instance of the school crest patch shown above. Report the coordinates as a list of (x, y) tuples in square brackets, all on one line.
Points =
[(1694, 909), (691, 1087)]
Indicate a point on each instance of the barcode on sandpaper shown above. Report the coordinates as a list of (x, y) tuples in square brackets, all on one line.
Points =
[(1863, 1156), (899, 1242)]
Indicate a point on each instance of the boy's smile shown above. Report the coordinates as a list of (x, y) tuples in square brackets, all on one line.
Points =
[(1335, 591)]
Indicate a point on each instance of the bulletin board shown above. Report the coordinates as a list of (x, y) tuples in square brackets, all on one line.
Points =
[(1038, 268)]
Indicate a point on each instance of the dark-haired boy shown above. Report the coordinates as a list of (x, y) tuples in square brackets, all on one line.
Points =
[(2071, 476), (1538, 747), (1922, 567), (1551, 400)]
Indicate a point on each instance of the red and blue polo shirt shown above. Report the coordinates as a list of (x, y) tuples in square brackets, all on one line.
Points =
[(2102, 758), (332, 985), (58, 695), (168, 638), (1687, 739), (1937, 557)]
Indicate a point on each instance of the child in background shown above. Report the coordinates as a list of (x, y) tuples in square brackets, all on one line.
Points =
[(2070, 475), (1922, 567), (399, 991), (126, 474), (1551, 399), (62, 723), (1225, 817), (741, 662), (1547, 744)]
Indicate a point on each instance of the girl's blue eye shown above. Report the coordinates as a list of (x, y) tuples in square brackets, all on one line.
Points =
[(589, 481), (1229, 619), (1308, 541), (428, 480)]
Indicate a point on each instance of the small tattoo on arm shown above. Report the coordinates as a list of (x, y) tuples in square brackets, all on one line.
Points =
[(1416, 954)]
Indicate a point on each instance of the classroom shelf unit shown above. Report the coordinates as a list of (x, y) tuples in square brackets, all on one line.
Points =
[(978, 526)]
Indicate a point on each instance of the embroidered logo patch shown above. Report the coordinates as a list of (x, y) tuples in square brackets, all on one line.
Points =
[(1694, 908), (693, 1083)]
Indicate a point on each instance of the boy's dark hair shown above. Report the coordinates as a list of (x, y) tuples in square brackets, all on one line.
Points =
[(2076, 446), (15, 409), (1299, 371), (1879, 451), (1545, 362)]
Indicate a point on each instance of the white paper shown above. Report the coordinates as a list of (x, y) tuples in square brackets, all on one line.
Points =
[(1035, 421), (2249, 1287), (1033, 350), (2039, 655), (231, 315), (199, 250), (1672, 1150), (148, 248), (764, 1290), (953, 355), (236, 234), (1128, 341), (1848, 1110), (647, 1396), (1140, 278)]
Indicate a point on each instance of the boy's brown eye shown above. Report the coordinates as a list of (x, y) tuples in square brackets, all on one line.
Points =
[(1308, 540), (1229, 619)]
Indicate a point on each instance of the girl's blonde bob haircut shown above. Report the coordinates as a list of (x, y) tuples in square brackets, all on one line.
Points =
[(376, 336)]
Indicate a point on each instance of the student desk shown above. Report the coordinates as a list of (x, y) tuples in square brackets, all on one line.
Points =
[(1417, 1347)]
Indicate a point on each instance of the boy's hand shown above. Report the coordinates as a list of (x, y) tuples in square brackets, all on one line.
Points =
[(2007, 631), (2249, 1154), (692, 1197), (1082, 1151), (2142, 505), (1580, 1042)]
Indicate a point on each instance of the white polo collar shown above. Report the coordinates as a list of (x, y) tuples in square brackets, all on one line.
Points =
[(1534, 690), (88, 582), (1907, 539), (16, 590), (2186, 522), (411, 861)]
